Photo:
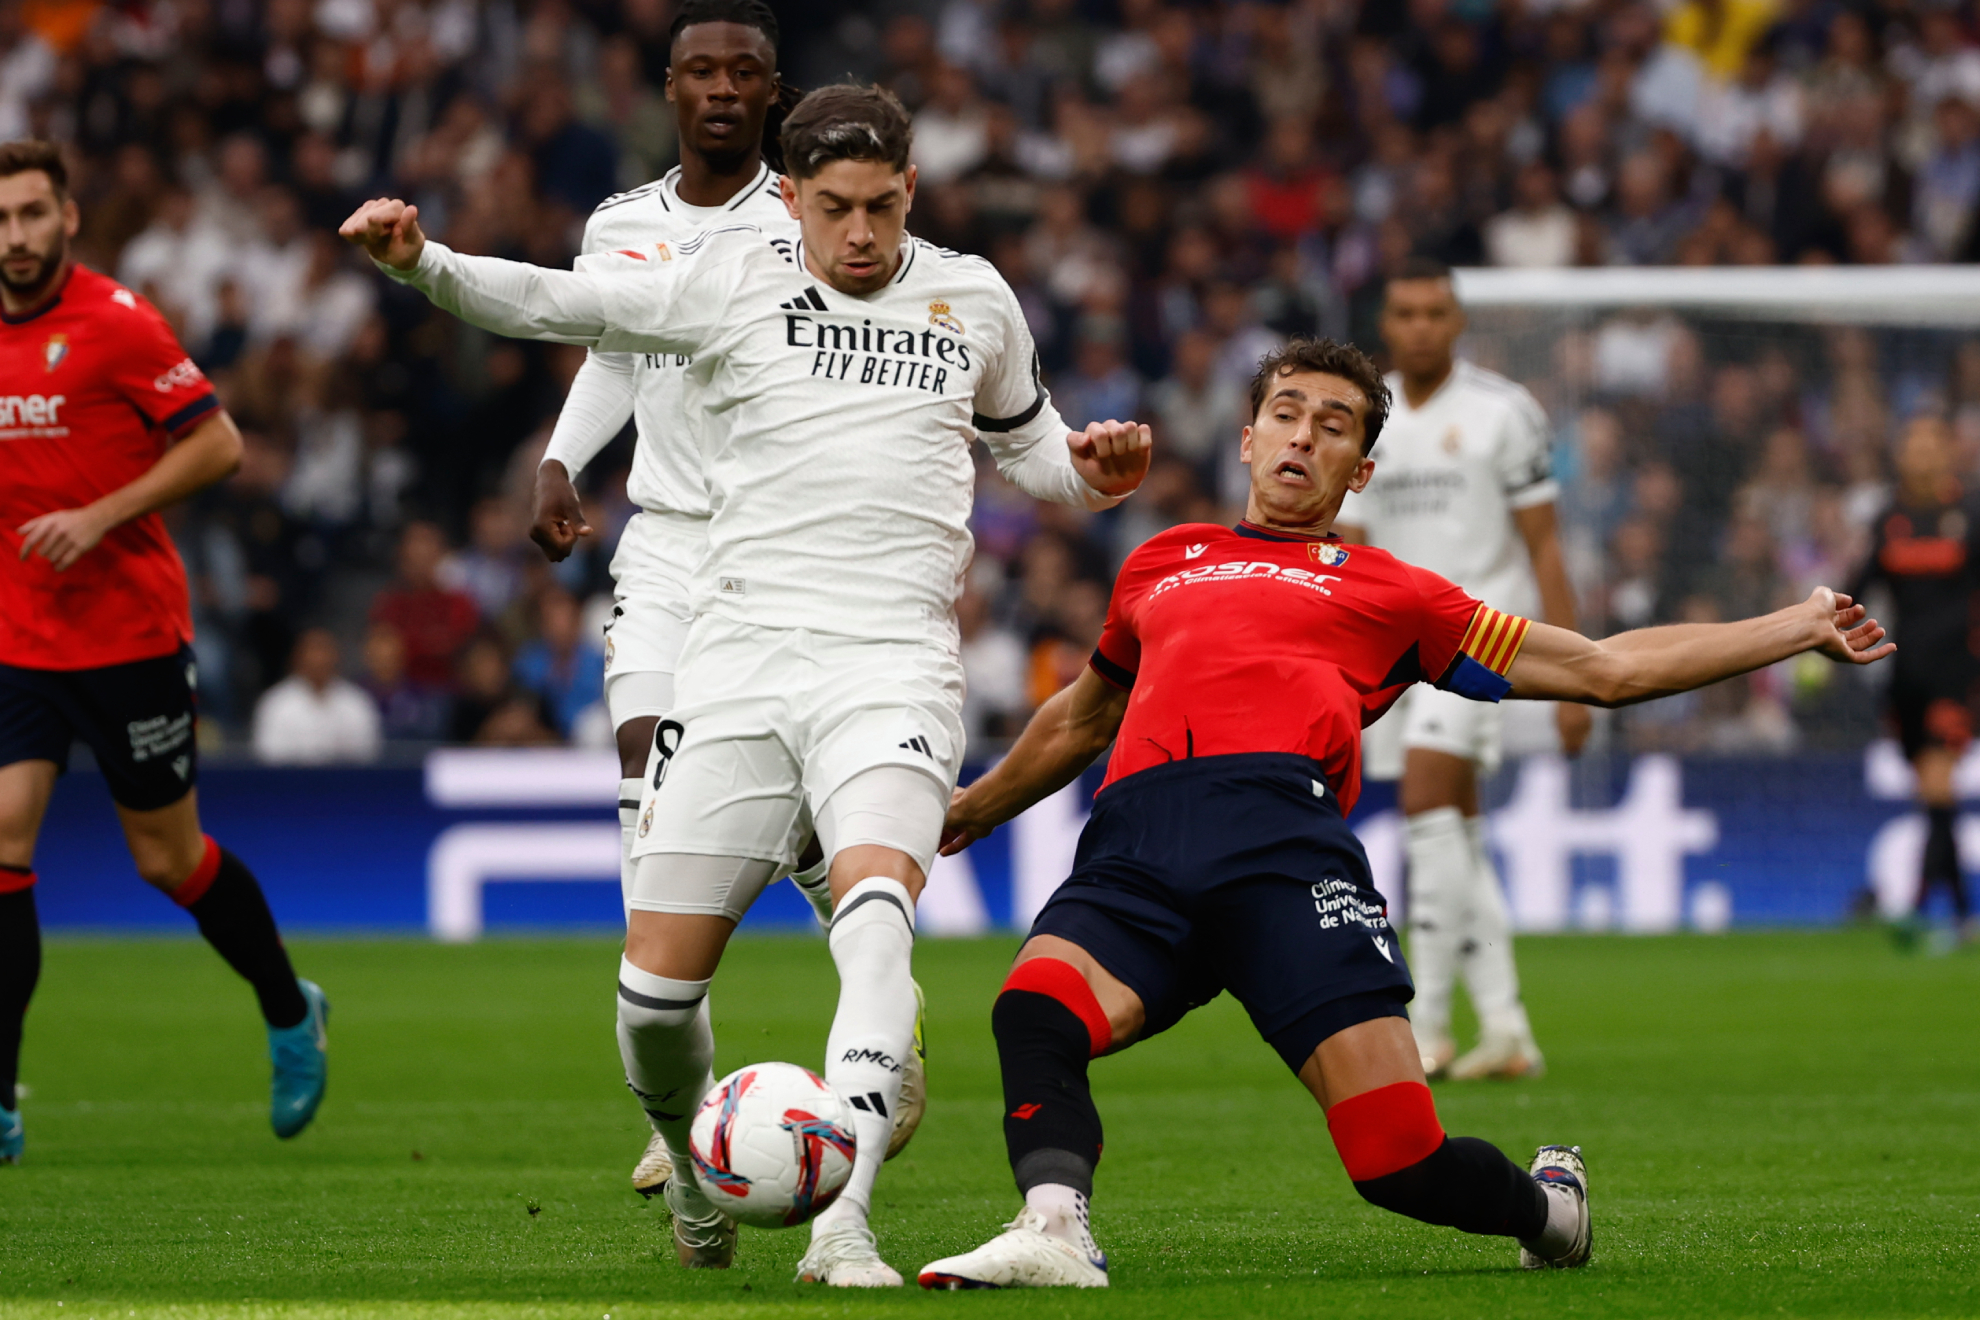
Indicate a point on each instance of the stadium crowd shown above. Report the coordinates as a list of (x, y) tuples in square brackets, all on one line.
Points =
[(1171, 187)]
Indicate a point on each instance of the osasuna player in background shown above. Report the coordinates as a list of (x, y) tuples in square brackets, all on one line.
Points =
[(1463, 487), (104, 420), (1232, 680), (1926, 551), (821, 671), (723, 84)]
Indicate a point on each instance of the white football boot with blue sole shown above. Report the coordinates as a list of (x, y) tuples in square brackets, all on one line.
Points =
[(1563, 1176), (1024, 1255)]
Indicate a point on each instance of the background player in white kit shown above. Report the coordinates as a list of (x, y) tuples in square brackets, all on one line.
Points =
[(722, 81), (1464, 488), (822, 667)]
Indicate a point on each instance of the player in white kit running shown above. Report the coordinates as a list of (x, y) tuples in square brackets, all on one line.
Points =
[(724, 87), (1464, 488), (822, 667)]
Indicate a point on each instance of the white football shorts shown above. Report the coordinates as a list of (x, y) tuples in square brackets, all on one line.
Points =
[(1439, 721), (771, 723), (651, 572)]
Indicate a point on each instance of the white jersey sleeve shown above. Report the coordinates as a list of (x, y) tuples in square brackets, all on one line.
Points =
[(1525, 457), (613, 301), (1024, 432), (599, 405)]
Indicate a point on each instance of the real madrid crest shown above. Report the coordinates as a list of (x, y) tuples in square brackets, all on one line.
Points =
[(54, 351), (1333, 556), (646, 820), (940, 315)]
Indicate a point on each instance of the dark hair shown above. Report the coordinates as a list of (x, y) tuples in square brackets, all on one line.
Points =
[(1330, 358), (25, 154), (1420, 267), (846, 121), (749, 13)]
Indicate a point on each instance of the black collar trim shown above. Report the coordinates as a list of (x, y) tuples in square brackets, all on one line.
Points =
[(1257, 533), (49, 306)]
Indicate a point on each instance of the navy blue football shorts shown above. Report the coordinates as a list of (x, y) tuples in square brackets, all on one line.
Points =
[(1234, 873), (138, 719)]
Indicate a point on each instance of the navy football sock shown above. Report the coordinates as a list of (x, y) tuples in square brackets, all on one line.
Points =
[(1051, 1128), (20, 969), (225, 899), (1466, 1184)]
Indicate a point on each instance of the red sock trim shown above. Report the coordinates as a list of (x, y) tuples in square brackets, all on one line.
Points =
[(1385, 1130), (1061, 981), (201, 879), (13, 879)]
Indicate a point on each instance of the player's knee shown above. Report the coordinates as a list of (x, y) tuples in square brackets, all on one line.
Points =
[(1045, 998), (1385, 1138)]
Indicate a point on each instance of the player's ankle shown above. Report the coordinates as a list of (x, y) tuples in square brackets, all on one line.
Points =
[(1065, 1212)]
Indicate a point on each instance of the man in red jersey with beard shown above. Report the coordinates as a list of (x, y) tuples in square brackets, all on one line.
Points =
[(1233, 679), (104, 420)]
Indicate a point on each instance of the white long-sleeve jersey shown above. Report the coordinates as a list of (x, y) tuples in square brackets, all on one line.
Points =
[(839, 471), (1448, 477), (655, 389)]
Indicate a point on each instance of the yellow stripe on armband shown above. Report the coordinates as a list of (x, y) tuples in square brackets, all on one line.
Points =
[(1494, 639)]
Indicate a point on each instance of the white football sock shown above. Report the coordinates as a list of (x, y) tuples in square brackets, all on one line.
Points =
[(1486, 957), (1439, 874), (667, 1045), (1563, 1223), (872, 941), (1067, 1215), (629, 791), (815, 883)]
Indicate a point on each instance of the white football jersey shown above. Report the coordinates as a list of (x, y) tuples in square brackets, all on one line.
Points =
[(669, 455), (1448, 476), (839, 471)]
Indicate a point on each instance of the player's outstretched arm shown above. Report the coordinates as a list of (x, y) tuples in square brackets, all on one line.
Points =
[(1062, 739), (510, 298), (1558, 665), (199, 458)]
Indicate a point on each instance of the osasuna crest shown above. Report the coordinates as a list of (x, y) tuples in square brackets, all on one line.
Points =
[(54, 351), (1333, 556), (939, 314)]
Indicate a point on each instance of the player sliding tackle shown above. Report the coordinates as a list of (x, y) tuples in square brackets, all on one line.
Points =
[(1235, 674), (820, 682)]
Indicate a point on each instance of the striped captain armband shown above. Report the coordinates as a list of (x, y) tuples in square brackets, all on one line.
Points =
[(1485, 655)]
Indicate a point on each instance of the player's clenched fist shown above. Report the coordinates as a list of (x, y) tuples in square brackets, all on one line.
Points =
[(1112, 456), (388, 229)]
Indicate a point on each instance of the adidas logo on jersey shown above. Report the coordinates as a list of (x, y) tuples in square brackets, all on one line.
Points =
[(920, 744)]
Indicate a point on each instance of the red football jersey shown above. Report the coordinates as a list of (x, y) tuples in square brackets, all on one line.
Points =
[(93, 387), (1247, 640)]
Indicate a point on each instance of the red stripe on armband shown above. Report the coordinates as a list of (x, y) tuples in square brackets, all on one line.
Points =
[(1385, 1130), (1061, 981), (13, 879), (201, 879)]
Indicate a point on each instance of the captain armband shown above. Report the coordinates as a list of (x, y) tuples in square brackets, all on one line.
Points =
[(1490, 645)]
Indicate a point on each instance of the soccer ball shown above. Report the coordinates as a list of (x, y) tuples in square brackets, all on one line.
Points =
[(772, 1145)]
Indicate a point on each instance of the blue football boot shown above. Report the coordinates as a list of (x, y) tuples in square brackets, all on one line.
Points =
[(299, 1054), (13, 1137)]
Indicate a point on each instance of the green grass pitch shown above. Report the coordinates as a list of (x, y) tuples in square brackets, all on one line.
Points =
[(1777, 1124)]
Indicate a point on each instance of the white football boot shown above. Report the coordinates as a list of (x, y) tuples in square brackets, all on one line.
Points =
[(914, 1085), (1500, 1058), (655, 1167), (704, 1237), (1024, 1255), (845, 1256), (1569, 1237)]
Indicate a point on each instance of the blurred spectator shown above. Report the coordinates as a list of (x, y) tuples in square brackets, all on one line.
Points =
[(994, 665), (432, 620), (1539, 230), (405, 711), (563, 667), (1197, 412), (490, 569), (314, 716), (1101, 385), (489, 706)]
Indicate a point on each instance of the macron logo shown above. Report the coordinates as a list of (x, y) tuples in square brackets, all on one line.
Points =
[(1194, 551)]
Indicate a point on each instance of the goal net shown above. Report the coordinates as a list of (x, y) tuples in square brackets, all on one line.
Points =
[(1726, 439)]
